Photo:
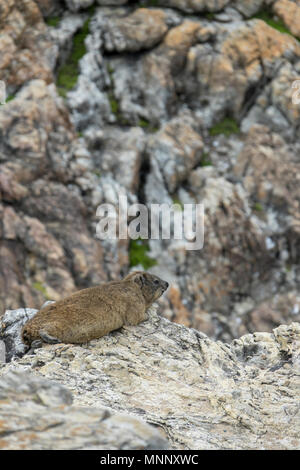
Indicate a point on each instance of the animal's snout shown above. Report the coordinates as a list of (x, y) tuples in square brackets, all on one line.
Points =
[(166, 285)]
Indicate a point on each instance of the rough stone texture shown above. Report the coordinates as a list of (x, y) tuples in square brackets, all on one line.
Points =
[(10, 331), (176, 149), (289, 12), (152, 83), (25, 49), (49, 8), (190, 6), (204, 394), (141, 29), (45, 235), (37, 414), (75, 5)]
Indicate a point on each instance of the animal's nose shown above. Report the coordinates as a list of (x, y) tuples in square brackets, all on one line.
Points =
[(166, 285)]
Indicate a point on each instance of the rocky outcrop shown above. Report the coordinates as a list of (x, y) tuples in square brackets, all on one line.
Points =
[(165, 105), (203, 394), (289, 12), (26, 50), (37, 414)]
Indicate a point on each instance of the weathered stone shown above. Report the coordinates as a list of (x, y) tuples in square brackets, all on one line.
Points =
[(242, 395), (2, 351), (76, 5), (232, 76), (50, 220), (191, 6), (289, 12), (280, 309), (141, 29), (175, 81), (10, 331), (249, 7), (26, 49), (177, 149), (49, 8), (37, 414)]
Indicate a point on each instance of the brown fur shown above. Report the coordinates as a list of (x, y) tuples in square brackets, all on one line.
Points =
[(94, 312)]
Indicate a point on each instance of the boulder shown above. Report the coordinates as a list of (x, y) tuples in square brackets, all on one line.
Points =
[(37, 414), (203, 394)]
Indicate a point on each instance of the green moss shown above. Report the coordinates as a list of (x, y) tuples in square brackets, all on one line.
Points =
[(97, 173), (114, 105), (9, 98), (39, 286), (258, 207), (147, 125), (53, 21), (205, 160), (138, 254), (143, 123), (177, 201), (267, 16), (68, 73), (209, 16), (227, 127), (152, 3)]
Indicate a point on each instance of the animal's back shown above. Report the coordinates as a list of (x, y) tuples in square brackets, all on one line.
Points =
[(93, 312), (87, 314)]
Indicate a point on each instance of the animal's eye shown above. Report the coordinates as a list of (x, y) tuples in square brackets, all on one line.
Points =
[(156, 281)]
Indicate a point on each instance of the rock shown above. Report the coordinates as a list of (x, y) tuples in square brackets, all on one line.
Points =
[(43, 219), (76, 5), (37, 414), (111, 2), (280, 308), (11, 326), (62, 35), (289, 12), (10, 331), (49, 8), (156, 90), (269, 178), (248, 8), (142, 29), (26, 47), (245, 64), (119, 154), (242, 395), (86, 112), (2, 351), (176, 149), (190, 6)]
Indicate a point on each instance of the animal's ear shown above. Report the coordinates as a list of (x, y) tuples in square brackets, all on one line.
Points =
[(139, 279)]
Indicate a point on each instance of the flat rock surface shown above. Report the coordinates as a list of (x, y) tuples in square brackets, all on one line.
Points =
[(204, 394), (37, 414)]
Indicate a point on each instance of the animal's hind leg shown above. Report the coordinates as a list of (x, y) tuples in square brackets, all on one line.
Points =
[(48, 338)]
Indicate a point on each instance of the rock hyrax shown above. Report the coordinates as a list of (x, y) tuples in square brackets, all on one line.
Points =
[(94, 312)]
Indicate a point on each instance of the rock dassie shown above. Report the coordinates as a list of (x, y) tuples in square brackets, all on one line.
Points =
[(94, 312)]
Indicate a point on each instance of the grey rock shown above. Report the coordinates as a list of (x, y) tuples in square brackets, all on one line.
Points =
[(76, 5), (2, 351), (203, 393), (62, 35), (12, 323), (37, 414), (111, 2), (88, 105), (190, 6)]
